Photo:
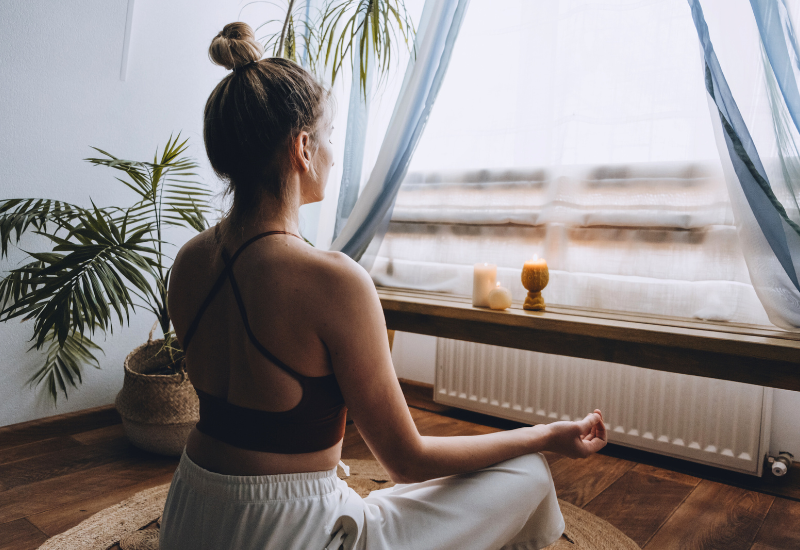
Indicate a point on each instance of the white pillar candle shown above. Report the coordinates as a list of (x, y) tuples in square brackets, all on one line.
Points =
[(499, 298), (483, 281)]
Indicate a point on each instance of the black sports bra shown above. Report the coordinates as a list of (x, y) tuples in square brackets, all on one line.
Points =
[(316, 423)]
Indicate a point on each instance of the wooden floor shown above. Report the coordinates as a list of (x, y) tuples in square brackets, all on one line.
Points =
[(55, 473)]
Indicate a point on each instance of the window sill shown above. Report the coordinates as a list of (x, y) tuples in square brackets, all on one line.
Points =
[(751, 354)]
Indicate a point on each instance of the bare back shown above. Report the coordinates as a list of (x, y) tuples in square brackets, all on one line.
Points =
[(319, 313), (278, 278)]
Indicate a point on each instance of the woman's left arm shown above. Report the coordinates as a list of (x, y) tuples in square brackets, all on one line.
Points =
[(353, 328)]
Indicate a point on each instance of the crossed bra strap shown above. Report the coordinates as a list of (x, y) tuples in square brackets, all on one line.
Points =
[(227, 274)]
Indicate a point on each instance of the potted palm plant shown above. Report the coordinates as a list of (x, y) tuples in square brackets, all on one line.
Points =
[(105, 262), (102, 264)]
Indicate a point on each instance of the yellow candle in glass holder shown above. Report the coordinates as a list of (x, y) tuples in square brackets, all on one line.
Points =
[(535, 277)]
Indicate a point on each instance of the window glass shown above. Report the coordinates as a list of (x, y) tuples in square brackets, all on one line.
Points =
[(579, 131)]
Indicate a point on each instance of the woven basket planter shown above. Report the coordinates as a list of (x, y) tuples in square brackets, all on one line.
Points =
[(158, 411)]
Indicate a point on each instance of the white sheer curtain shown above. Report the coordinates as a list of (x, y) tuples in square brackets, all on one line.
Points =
[(577, 130), (751, 83), (439, 28)]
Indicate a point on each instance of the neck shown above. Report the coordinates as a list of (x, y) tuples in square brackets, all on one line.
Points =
[(272, 215)]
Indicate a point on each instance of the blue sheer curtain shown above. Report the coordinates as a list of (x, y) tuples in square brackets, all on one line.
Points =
[(769, 234), (365, 226), (355, 140)]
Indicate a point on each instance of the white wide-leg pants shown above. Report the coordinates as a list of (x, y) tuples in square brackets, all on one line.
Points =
[(511, 505)]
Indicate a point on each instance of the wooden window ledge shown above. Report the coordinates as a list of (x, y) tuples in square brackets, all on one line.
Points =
[(752, 354)]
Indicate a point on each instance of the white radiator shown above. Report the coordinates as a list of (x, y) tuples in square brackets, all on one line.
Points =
[(715, 422)]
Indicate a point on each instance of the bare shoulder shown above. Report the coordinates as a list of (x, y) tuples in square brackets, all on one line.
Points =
[(193, 270), (347, 313), (337, 292), (343, 277), (198, 251)]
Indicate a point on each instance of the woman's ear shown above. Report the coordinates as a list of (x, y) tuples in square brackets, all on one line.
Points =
[(302, 152)]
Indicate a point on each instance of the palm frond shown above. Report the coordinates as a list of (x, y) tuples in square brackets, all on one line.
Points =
[(102, 263), (64, 361), (138, 172), (167, 189), (300, 37), (19, 215), (185, 201), (369, 28), (83, 282), (20, 282)]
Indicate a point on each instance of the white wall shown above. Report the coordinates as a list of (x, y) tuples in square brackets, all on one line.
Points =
[(414, 357), (60, 76)]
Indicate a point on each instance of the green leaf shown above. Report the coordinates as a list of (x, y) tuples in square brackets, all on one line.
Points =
[(367, 27), (19, 215), (63, 365), (101, 263)]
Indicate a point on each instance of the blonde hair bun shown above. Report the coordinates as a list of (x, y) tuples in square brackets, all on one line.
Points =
[(235, 46)]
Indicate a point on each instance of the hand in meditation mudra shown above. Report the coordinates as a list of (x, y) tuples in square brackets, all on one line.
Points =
[(535, 277)]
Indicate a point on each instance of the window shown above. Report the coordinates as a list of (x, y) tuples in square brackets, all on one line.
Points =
[(579, 131)]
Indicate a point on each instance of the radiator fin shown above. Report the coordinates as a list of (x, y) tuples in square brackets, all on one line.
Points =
[(711, 421)]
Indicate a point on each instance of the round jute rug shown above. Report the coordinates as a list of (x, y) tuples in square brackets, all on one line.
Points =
[(133, 523)]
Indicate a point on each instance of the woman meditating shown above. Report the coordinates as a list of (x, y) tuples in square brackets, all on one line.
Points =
[(282, 339)]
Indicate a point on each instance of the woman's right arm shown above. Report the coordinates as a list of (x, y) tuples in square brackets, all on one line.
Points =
[(353, 328)]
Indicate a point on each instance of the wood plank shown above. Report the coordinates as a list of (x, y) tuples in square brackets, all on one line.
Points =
[(101, 435), (36, 448), (60, 425), (787, 486), (20, 535), (552, 458), (59, 519), (61, 462), (781, 527), (665, 320), (579, 481), (25, 500), (750, 358), (714, 516), (776, 344), (444, 426), (629, 502)]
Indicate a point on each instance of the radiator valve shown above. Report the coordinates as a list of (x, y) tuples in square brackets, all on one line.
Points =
[(781, 463)]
